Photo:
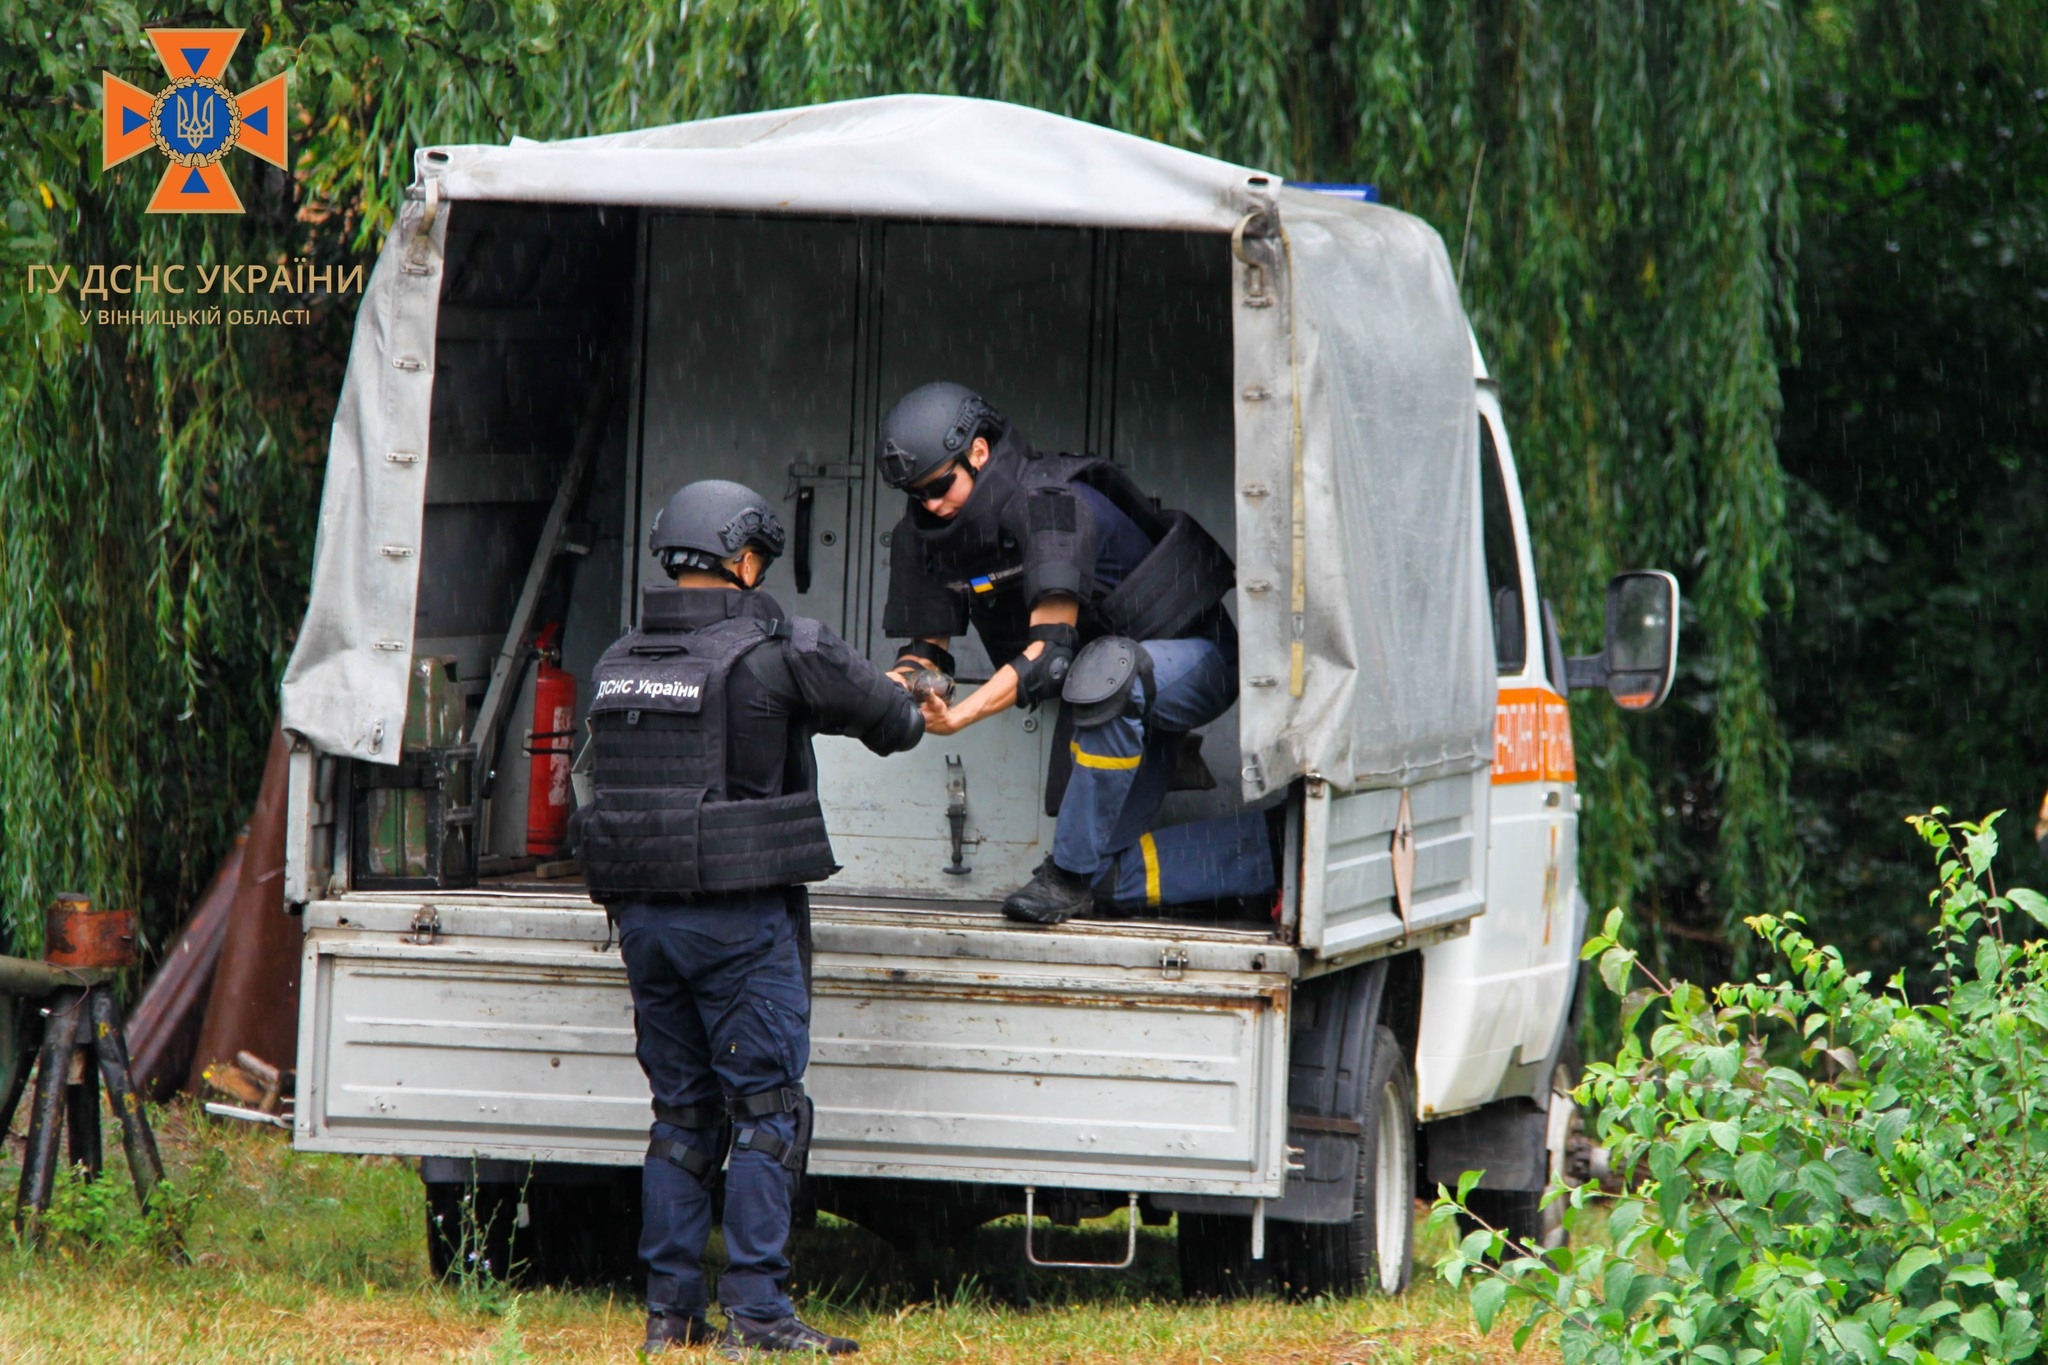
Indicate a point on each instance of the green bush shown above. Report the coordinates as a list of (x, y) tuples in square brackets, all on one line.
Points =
[(1810, 1170), (101, 1213)]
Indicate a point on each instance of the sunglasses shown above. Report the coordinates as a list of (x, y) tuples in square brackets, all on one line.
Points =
[(940, 484)]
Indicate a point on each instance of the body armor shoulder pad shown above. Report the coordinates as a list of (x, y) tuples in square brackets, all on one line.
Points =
[(804, 634), (1123, 492)]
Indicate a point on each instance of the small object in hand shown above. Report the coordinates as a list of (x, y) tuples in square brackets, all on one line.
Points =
[(928, 684)]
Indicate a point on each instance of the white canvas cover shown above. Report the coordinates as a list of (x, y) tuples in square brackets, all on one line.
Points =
[(1397, 675), (1396, 681), (898, 156), (344, 688)]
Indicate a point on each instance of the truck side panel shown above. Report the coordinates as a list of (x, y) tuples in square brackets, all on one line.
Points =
[(1352, 906)]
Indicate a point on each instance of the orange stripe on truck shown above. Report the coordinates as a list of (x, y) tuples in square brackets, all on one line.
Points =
[(1532, 737)]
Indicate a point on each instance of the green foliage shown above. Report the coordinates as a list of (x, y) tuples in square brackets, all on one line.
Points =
[(1628, 266), (157, 489), (100, 1216), (1914, 433), (1886, 1198)]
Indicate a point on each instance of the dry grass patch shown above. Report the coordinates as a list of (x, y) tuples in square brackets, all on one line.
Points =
[(299, 1259)]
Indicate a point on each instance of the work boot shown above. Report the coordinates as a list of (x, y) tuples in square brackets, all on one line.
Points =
[(667, 1330), (744, 1336), (1052, 896)]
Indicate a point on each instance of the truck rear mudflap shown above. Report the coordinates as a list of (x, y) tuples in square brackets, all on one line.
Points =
[(946, 1043)]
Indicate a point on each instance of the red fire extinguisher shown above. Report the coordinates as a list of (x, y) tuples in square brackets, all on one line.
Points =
[(552, 745)]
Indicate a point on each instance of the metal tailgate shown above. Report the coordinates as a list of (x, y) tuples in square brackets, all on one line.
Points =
[(946, 1044)]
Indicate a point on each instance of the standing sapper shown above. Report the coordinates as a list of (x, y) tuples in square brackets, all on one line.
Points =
[(1096, 598), (704, 827)]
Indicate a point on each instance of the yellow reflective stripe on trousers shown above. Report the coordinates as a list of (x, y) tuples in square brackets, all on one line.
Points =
[(1088, 760), (1151, 852)]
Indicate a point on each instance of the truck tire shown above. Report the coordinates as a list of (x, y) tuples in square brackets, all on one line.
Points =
[(1215, 1253), (1520, 1213), (584, 1235), (1375, 1251)]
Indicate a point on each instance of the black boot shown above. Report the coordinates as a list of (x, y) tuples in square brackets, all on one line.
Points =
[(743, 1336), (1052, 896), (667, 1330)]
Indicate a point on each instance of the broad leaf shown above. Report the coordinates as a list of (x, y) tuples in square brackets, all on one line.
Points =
[(2031, 901), (1981, 1322), (1907, 1266), (1487, 1297)]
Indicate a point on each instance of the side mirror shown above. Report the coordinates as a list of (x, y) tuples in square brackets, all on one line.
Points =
[(1642, 642)]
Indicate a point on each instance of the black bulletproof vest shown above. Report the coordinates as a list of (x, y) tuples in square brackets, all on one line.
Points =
[(660, 825), (1169, 591)]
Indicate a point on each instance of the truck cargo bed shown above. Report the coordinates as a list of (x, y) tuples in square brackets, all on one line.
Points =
[(947, 1042)]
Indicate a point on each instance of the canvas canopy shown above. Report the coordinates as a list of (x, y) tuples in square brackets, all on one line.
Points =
[(1362, 598)]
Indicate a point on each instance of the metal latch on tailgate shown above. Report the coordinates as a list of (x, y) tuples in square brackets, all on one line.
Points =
[(956, 812), (426, 925), (1173, 961)]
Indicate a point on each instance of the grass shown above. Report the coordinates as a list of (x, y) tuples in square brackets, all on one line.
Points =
[(320, 1260)]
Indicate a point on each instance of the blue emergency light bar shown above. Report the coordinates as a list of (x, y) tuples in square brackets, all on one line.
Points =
[(1365, 194)]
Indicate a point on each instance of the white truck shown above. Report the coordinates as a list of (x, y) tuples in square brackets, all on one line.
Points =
[(556, 336)]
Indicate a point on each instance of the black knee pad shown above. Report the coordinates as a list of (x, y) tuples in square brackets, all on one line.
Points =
[(1100, 682), (749, 1136), (699, 1118)]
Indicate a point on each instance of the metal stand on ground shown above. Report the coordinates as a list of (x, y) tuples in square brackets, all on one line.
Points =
[(83, 1043)]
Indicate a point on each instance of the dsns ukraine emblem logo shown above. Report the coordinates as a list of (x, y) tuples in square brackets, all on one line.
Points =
[(195, 120)]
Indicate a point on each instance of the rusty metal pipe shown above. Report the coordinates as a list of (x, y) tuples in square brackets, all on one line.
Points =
[(46, 1122), (111, 1043), (86, 1145), (21, 976)]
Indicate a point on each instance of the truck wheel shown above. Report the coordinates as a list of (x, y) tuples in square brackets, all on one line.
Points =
[(1215, 1251), (1376, 1250), (1520, 1213), (585, 1234)]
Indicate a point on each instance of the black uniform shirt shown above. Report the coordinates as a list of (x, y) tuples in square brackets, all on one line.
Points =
[(783, 691)]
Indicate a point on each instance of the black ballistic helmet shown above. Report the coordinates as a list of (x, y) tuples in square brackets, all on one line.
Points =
[(929, 426), (712, 520)]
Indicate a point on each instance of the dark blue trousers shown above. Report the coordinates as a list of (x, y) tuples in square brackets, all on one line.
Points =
[(1123, 766), (720, 1010)]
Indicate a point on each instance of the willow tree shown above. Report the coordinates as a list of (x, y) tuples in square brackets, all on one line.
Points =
[(1916, 422), (1611, 177)]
